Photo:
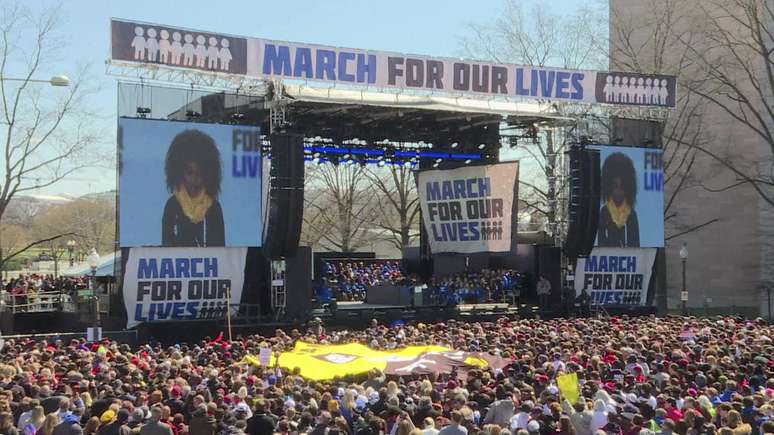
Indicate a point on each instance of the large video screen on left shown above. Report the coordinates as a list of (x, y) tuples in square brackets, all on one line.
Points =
[(189, 184)]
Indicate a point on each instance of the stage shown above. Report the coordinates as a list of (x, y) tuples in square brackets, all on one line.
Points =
[(358, 312)]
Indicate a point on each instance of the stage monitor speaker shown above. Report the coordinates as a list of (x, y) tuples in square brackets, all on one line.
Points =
[(285, 203), (298, 284), (583, 209)]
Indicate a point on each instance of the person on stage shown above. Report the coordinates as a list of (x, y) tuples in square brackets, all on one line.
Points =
[(192, 215), (618, 224)]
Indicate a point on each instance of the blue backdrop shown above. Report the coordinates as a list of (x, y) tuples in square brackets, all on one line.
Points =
[(649, 206), (143, 190)]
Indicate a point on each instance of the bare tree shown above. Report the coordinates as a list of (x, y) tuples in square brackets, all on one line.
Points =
[(88, 222), (342, 210), (732, 52), (660, 43), (46, 134), (398, 214), (540, 38)]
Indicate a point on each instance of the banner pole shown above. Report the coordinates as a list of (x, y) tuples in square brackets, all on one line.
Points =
[(228, 314)]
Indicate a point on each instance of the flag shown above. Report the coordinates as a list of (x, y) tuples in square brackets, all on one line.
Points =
[(323, 362), (568, 385)]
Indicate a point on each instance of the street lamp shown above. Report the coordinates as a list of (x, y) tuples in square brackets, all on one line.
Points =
[(93, 261), (59, 80), (684, 293), (70, 249)]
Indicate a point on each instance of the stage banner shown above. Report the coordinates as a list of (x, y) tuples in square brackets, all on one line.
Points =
[(145, 43), (174, 46), (323, 362), (615, 276), (631, 205), (470, 209), (189, 184), (173, 284)]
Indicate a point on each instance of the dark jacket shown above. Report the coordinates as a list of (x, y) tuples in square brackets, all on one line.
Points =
[(114, 428), (69, 426), (608, 234), (202, 425), (261, 423), (178, 230)]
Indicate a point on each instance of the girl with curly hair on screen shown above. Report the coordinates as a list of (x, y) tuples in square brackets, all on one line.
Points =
[(192, 215), (618, 224)]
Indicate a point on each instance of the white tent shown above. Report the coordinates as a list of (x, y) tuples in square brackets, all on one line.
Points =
[(106, 267)]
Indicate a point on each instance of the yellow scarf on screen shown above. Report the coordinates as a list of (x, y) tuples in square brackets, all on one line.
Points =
[(194, 207), (619, 213)]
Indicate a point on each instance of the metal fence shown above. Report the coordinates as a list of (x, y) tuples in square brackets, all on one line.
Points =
[(36, 302)]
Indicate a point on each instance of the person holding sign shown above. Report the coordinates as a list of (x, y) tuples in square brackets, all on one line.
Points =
[(618, 224), (192, 215)]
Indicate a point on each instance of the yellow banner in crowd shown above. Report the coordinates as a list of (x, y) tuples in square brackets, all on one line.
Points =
[(321, 362), (568, 385)]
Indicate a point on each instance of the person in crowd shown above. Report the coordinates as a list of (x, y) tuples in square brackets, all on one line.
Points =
[(543, 290)]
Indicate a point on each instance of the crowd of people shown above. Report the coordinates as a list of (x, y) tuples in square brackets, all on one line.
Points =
[(26, 289), (487, 285), (637, 376), (348, 280)]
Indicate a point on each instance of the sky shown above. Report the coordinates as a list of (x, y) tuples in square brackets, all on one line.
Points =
[(429, 27)]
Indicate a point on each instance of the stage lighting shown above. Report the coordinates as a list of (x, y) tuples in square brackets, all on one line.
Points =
[(316, 155), (455, 145), (346, 156), (436, 164), (438, 160), (467, 162), (481, 146), (381, 163)]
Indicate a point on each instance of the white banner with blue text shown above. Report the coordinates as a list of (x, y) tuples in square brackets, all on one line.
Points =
[(470, 209), (155, 44), (615, 276), (174, 284)]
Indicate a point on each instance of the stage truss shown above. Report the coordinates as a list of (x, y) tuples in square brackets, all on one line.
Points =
[(279, 95)]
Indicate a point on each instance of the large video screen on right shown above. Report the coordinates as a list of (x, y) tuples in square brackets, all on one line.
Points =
[(631, 205)]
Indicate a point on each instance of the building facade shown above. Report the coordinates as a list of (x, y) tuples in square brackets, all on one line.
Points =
[(726, 225)]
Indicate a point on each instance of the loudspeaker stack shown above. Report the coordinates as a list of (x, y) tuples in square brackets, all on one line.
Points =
[(583, 209), (284, 217)]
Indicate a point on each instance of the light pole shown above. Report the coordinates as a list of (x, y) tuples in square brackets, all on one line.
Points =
[(70, 249), (59, 80), (684, 292), (93, 260)]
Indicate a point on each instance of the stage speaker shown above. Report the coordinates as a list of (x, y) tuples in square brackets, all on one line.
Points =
[(298, 284), (583, 208), (592, 218), (284, 207)]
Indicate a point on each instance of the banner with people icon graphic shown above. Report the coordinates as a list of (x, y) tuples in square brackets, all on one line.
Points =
[(172, 46), (263, 58)]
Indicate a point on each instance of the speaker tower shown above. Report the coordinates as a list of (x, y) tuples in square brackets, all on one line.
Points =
[(283, 213)]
